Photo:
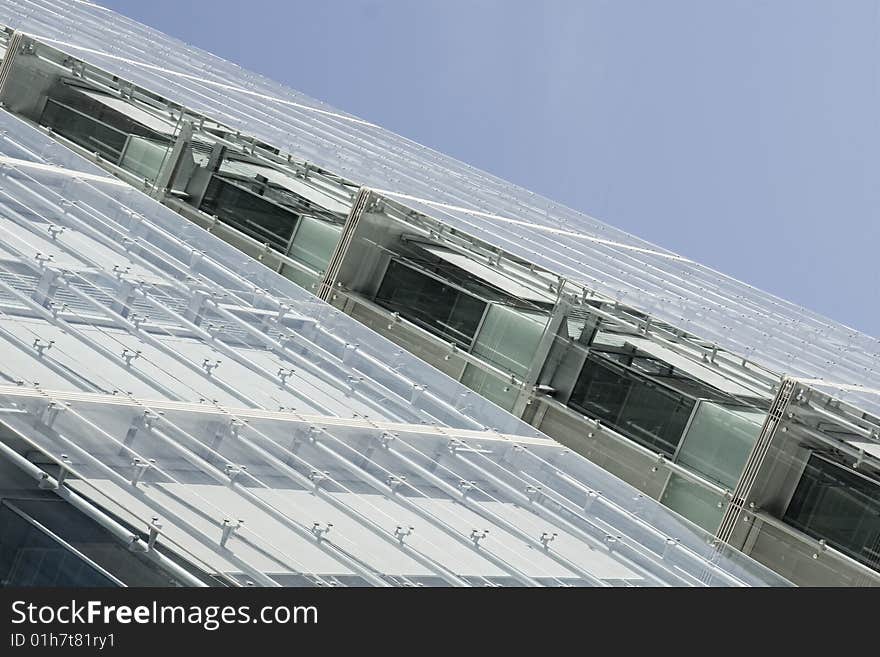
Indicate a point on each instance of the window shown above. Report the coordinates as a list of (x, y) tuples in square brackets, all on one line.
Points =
[(490, 386), (314, 242), (250, 213), (117, 130), (143, 156), (84, 130), (509, 338), (719, 439), (434, 305), (839, 505), (697, 503), (25, 548), (31, 557), (646, 411)]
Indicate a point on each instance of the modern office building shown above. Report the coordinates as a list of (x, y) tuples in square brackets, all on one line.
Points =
[(167, 219)]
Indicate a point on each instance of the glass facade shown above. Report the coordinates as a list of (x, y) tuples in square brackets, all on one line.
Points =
[(235, 429), (504, 292)]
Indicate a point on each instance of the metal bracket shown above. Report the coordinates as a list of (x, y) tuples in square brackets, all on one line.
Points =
[(401, 532), (155, 528), (547, 538), (229, 528), (320, 531), (478, 535), (140, 468)]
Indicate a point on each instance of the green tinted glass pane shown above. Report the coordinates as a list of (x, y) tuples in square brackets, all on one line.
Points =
[(143, 156), (509, 338), (719, 440), (314, 242), (695, 502), (490, 386)]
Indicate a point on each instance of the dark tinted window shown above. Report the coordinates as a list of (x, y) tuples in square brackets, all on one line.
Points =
[(642, 410), (94, 542), (31, 557), (430, 303), (250, 213), (840, 506)]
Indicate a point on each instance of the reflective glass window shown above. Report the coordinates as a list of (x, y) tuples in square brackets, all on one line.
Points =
[(249, 212), (839, 505), (695, 502), (31, 557), (640, 408), (314, 242), (434, 305), (492, 387), (143, 156)]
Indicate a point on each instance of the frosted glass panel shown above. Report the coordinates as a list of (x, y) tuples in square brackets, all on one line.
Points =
[(493, 388), (314, 241), (301, 277), (719, 440), (509, 338), (695, 502), (143, 156)]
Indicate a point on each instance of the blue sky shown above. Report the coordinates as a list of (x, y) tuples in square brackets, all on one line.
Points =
[(742, 133)]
